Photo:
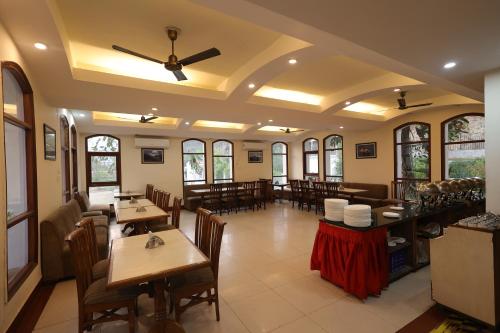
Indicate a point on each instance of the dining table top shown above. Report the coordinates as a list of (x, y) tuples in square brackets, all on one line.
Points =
[(121, 204), (207, 190), (130, 194), (131, 215), (132, 263)]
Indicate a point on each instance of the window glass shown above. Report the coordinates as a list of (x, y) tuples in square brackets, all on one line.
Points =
[(311, 145), (464, 154), (333, 142), (194, 167), (17, 249), (312, 163), (279, 163), (413, 133), (333, 163), (279, 148), (102, 144), (13, 96), (103, 169), (193, 146), (15, 163), (222, 161)]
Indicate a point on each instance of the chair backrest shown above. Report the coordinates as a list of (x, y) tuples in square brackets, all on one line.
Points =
[(176, 212), (304, 185), (156, 194), (165, 201), (149, 191), (82, 261), (216, 189), (319, 190), (262, 188), (249, 188), (332, 189), (87, 224), (208, 236)]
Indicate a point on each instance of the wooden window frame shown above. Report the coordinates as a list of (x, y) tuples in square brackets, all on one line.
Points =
[(31, 213), (443, 139), (65, 154), (74, 158), (304, 158), (272, 160), (88, 156), (204, 159), (213, 161), (396, 144), (325, 176)]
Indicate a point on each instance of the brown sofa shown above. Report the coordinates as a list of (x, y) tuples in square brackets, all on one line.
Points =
[(56, 257), (192, 200), (86, 206), (375, 197)]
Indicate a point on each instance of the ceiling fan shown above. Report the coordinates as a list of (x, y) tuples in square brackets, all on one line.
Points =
[(402, 102), (173, 64), (143, 119), (288, 131)]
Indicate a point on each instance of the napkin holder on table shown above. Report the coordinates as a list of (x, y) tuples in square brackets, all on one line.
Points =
[(154, 241), (140, 209), (133, 200)]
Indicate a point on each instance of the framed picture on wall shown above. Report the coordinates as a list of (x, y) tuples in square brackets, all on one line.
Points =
[(255, 156), (49, 140), (152, 156), (366, 150)]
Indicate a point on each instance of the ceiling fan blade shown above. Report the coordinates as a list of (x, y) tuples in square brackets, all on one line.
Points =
[(124, 50), (210, 53), (179, 75), (146, 120), (282, 129), (300, 130), (418, 105)]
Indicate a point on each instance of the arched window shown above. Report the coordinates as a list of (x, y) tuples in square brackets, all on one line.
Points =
[(65, 173), (462, 146), (74, 158), (311, 158), (222, 161), (103, 167), (20, 175), (194, 162), (280, 162), (333, 157), (412, 155)]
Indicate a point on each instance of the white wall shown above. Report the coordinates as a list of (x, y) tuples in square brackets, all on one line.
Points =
[(48, 178), (379, 170), (168, 176), (492, 121)]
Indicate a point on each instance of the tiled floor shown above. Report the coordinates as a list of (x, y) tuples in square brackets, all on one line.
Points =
[(266, 286)]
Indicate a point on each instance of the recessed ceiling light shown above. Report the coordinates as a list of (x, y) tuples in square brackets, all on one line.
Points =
[(347, 103), (292, 61), (150, 114), (270, 120), (259, 124), (341, 127), (40, 46), (81, 115), (450, 64), (397, 89), (154, 109), (251, 85), (186, 123)]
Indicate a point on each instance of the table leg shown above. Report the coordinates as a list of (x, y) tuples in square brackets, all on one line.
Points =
[(140, 228), (162, 324)]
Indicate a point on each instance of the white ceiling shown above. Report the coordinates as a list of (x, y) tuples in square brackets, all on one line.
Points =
[(256, 44)]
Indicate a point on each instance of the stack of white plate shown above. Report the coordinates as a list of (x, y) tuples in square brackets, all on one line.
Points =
[(358, 215), (334, 209)]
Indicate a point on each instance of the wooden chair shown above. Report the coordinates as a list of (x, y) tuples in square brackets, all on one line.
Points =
[(332, 189), (93, 297), (213, 201), (176, 212), (296, 194), (306, 194), (99, 267), (247, 196), (319, 196), (163, 199), (149, 191), (261, 195), (156, 196), (194, 284), (230, 197)]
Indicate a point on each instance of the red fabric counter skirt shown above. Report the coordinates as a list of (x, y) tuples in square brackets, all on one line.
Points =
[(354, 260)]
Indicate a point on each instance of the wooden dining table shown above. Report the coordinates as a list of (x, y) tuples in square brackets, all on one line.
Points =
[(121, 204), (139, 219), (131, 264), (127, 195)]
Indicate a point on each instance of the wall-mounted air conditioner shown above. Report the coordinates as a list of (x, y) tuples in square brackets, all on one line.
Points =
[(144, 141), (250, 145)]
